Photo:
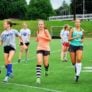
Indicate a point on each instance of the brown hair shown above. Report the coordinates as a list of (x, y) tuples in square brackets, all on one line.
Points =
[(9, 22), (66, 26)]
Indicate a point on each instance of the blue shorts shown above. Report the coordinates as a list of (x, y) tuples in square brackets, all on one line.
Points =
[(73, 48)]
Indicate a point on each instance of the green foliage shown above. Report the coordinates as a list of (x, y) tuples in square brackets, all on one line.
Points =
[(79, 6), (39, 9), (12, 9)]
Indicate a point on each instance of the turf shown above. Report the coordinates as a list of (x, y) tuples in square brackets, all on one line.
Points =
[(86, 25), (61, 75)]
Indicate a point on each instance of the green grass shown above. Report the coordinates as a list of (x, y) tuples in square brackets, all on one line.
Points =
[(61, 75), (86, 25)]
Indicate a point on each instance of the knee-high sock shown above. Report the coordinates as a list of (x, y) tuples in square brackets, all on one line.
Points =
[(65, 54), (9, 69), (78, 69), (46, 67), (38, 71)]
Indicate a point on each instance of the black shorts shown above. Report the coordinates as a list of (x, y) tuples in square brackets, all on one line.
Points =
[(43, 52), (7, 49), (27, 44), (75, 48)]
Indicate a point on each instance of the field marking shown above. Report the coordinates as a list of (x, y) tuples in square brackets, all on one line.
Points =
[(90, 68), (86, 70), (35, 87)]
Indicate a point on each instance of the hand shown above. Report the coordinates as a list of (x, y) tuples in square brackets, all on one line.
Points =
[(78, 36), (82, 41)]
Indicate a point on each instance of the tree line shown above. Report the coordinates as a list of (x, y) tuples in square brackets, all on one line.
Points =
[(39, 9)]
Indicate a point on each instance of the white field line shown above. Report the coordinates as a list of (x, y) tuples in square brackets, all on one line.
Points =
[(35, 87), (86, 70), (40, 88), (88, 67)]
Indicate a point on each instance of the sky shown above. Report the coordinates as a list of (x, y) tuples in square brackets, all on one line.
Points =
[(56, 3)]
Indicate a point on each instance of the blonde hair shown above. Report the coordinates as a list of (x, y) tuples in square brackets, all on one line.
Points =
[(44, 25)]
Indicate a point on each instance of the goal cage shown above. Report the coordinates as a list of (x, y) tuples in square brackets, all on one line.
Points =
[(55, 31)]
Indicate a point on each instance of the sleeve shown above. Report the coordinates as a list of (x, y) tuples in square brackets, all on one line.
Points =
[(17, 33), (61, 33), (29, 31), (1, 37)]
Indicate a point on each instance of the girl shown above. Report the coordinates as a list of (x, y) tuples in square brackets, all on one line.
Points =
[(43, 49), (65, 44), (8, 40), (76, 36), (25, 34)]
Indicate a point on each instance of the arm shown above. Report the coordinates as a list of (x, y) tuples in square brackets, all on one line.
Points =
[(20, 38), (37, 36), (70, 35), (82, 39), (48, 36), (61, 34), (1, 43), (29, 35)]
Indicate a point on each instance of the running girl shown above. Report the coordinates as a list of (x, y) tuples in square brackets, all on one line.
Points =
[(43, 49), (7, 39), (76, 36), (65, 43), (25, 34)]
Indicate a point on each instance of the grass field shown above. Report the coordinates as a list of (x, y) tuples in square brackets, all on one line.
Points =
[(86, 25), (61, 75)]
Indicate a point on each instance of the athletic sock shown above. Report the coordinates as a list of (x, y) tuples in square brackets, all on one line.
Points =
[(46, 70), (78, 69), (9, 69), (46, 67), (38, 71), (19, 60), (65, 55)]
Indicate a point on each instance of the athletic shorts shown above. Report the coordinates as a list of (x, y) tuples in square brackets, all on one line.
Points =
[(27, 44), (7, 49), (43, 52), (66, 44), (75, 48)]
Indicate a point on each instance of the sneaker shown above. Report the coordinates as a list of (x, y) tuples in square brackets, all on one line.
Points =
[(76, 78), (46, 73), (6, 79), (0, 71), (11, 75), (65, 60), (19, 60), (38, 81)]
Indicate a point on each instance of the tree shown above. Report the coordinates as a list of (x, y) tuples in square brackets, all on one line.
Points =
[(12, 9), (64, 9), (79, 6), (39, 9)]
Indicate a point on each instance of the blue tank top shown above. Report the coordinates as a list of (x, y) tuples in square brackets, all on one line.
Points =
[(77, 41)]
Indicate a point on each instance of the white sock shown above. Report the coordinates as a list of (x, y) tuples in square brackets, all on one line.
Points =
[(78, 69), (62, 55), (65, 55)]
